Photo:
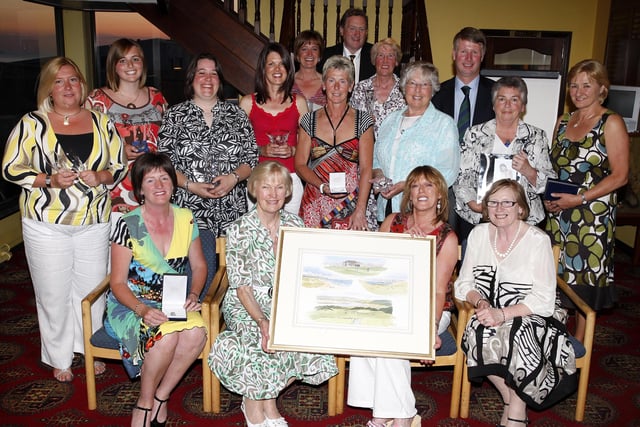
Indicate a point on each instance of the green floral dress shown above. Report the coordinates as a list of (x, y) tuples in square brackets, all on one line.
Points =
[(237, 358), (586, 232)]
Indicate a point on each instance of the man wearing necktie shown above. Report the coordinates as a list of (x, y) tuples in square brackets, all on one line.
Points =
[(467, 98), (353, 30)]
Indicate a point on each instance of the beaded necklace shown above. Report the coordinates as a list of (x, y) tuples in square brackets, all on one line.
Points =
[(495, 242)]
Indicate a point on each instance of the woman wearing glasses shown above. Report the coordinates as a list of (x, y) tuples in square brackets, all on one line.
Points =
[(515, 338), (524, 149), (414, 136)]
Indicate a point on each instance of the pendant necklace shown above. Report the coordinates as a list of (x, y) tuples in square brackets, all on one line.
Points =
[(335, 128), (495, 242), (577, 123), (132, 104), (66, 117)]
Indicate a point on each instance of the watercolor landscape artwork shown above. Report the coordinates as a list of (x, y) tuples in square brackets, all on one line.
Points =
[(366, 292), (355, 293)]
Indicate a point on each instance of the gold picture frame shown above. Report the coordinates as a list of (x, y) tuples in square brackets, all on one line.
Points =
[(354, 293)]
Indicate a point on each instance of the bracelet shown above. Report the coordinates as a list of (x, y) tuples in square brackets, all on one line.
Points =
[(234, 173), (321, 188), (584, 199), (504, 318), (186, 185), (478, 302), (194, 294), (260, 319)]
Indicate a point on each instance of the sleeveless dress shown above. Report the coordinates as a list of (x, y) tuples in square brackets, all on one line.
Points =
[(399, 225), (586, 232), (236, 357), (146, 274), (315, 102), (136, 126), (265, 123), (318, 210)]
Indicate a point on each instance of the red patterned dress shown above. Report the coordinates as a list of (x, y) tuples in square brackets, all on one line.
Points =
[(136, 126), (316, 209)]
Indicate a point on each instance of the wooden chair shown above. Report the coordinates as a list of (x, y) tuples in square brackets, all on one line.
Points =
[(456, 329), (221, 283), (100, 345), (583, 350)]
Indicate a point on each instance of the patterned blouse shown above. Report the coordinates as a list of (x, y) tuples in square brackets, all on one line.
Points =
[(33, 148), (479, 139), (363, 98), (136, 126), (201, 152)]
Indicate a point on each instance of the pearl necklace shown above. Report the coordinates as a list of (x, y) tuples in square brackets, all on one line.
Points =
[(495, 242), (66, 117)]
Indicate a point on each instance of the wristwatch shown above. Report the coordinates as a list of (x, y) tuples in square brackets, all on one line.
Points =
[(47, 181)]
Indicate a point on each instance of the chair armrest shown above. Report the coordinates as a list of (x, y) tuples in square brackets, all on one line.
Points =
[(87, 302), (585, 309), (97, 292), (220, 284)]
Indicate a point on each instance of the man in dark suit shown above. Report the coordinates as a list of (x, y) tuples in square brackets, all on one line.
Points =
[(468, 52), (469, 47), (353, 31)]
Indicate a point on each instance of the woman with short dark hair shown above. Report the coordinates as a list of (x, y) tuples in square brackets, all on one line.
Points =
[(153, 241)]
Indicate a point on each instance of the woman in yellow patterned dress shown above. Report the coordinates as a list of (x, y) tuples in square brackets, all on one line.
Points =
[(156, 239)]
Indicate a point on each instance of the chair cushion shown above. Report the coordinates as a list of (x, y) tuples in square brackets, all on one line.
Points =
[(578, 348), (448, 345), (101, 339)]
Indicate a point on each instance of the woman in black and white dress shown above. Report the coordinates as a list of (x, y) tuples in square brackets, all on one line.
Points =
[(517, 337)]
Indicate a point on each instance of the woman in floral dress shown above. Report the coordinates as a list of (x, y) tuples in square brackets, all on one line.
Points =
[(591, 149), (239, 357)]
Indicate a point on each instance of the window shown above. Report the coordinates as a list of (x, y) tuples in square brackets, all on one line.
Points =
[(27, 40), (166, 60)]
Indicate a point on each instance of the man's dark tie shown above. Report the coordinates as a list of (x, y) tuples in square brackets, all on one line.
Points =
[(352, 57), (464, 116)]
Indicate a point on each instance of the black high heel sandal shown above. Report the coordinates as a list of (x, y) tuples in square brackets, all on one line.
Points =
[(147, 411), (154, 421)]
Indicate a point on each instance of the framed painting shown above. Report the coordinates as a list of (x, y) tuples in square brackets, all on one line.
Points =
[(354, 293)]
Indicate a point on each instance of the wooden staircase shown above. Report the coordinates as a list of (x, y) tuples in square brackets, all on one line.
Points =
[(221, 27), (205, 26)]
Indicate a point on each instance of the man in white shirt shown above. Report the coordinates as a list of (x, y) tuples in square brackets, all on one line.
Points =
[(353, 31)]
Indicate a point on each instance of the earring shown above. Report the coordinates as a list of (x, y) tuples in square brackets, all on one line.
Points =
[(142, 199), (438, 206)]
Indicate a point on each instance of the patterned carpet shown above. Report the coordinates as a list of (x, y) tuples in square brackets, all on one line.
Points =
[(29, 396)]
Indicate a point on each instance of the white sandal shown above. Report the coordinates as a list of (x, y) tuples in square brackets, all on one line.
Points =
[(277, 422), (61, 374)]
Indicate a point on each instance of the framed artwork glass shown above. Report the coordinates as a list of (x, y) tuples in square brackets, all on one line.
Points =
[(354, 293)]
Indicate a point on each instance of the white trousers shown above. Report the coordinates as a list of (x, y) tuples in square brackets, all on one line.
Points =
[(293, 205), (66, 262), (384, 385)]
